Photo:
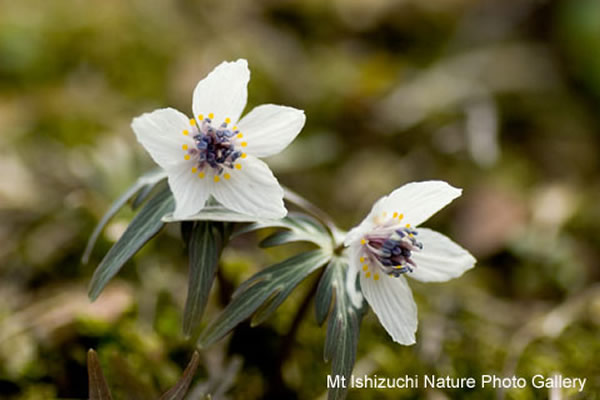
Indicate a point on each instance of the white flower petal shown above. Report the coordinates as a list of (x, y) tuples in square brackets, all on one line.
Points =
[(417, 201), (354, 235), (366, 225), (161, 134), (251, 190), (441, 259), (269, 128), (189, 190), (223, 92), (354, 266), (392, 301)]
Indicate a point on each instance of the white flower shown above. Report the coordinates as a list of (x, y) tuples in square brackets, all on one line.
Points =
[(215, 154), (388, 245)]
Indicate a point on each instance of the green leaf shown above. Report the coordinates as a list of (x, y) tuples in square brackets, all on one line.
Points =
[(142, 228), (141, 196), (300, 228), (264, 292), (98, 388), (344, 322), (144, 182), (180, 389), (205, 246), (323, 303)]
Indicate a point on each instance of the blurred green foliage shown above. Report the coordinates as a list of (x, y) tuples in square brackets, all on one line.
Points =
[(500, 98)]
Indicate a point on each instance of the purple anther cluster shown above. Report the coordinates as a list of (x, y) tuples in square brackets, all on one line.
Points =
[(394, 252), (214, 146)]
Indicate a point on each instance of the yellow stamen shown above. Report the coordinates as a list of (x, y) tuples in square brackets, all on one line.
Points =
[(244, 144), (400, 216), (238, 166), (211, 115), (201, 117), (201, 175), (192, 121), (227, 120), (365, 267), (227, 176), (194, 170), (186, 132), (376, 277), (362, 259), (408, 225), (239, 136), (186, 157), (368, 275), (216, 178), (363, 241), (185, 147), (244, 155), (235, 128), (395, 215)]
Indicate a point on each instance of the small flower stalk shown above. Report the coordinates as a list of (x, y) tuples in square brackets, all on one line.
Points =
[(389, 245), (215, 153)]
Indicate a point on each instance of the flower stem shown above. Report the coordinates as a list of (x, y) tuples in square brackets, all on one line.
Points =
[(289, 338), (315, 211)]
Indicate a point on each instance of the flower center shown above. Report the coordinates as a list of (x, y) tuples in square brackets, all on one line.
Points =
[(214, 147), (391, 250)]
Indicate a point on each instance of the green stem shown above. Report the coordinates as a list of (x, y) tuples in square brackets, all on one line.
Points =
[(315, 211), (289, 338)]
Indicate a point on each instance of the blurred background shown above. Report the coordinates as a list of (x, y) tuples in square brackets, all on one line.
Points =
[(499, 98)]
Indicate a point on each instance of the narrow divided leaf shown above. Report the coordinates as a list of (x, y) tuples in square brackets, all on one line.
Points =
[(205, 245), (268, 288), (141, 196), (180, 389), (144, 226), (98, 388), (144, 183), (323, 298), (344, 323)]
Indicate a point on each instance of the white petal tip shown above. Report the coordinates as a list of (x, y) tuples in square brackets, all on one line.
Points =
[(240, 63), (441, 259), (182, 216), (186, 207), (404, 338), (454, 192), (279, 214), (405, 342)]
